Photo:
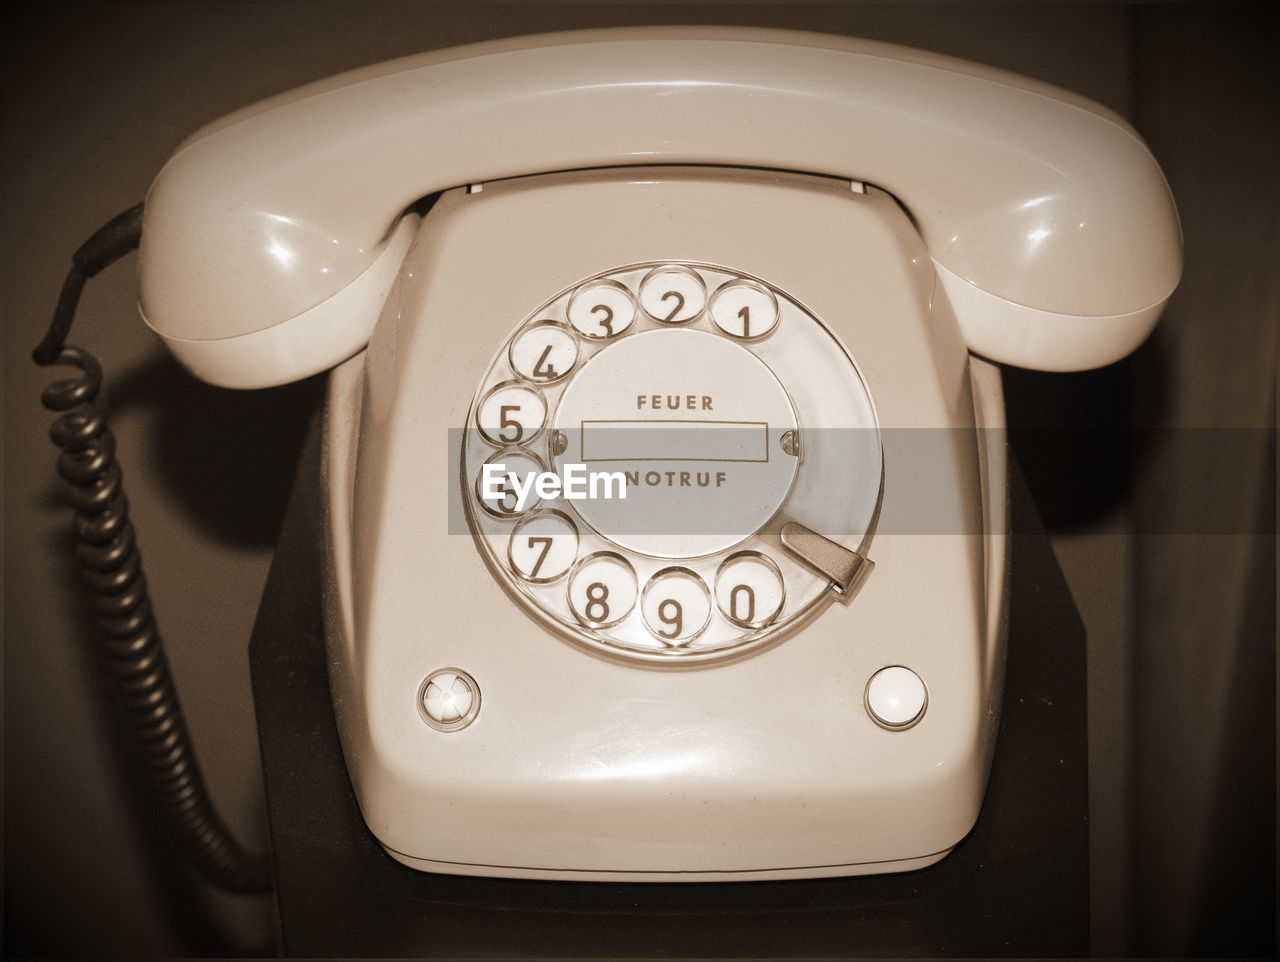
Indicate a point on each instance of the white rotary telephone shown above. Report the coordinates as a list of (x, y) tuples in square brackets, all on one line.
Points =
[(621, 421)]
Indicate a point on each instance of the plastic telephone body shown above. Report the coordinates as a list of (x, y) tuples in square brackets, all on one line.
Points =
[(580, 763), (1050, 226), (566, 692)]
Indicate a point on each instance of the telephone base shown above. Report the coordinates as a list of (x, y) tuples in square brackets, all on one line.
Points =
[(755, 875), (1017, 886)]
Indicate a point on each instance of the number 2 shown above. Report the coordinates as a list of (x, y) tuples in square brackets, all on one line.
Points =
[(678, 308)]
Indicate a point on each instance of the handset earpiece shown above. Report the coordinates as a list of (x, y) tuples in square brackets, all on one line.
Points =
[(311, 341)]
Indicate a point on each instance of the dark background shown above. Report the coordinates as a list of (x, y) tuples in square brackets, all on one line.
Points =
[(1156, 475)]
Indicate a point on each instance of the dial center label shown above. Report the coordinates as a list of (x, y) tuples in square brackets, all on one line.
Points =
[(696, 425)]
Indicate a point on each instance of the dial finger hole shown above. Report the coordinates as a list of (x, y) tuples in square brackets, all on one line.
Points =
[(602, 589), (543, 546), (676, 605), (505, 483), (673, 295), (544, 352), (749, 589), (601, 310), (511, 413), (744, 309)]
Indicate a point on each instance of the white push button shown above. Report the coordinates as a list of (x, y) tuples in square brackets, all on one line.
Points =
[(676, 605), (449, 699), (544, 352), (744, 309), (543, 546), (602, 590), (601, 309), (673, 295), (512, 413), (896, 697)]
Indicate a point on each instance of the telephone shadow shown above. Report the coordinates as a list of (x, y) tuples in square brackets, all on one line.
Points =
[(1082, 439), (228, 456)]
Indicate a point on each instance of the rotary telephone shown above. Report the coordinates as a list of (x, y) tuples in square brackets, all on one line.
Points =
[(662, 455)]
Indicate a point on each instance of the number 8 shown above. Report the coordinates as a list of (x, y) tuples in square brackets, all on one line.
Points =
[(597, 592)]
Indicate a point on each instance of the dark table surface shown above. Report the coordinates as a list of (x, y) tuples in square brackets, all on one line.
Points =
[(1017, 886)]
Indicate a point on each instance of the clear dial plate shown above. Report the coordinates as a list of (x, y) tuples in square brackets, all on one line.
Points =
[(638, 441)]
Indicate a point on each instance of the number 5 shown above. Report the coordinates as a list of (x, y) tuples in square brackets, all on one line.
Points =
[(508, 422)]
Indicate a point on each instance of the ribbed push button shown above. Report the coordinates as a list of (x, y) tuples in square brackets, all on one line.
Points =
[(449, 699)]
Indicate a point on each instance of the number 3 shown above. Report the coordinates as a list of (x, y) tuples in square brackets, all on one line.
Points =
[(607, 321)]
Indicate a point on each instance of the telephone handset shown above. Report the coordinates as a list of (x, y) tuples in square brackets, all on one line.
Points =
[(619, 426)]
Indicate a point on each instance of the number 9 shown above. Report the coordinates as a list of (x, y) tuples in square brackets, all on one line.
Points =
[(675, 620)]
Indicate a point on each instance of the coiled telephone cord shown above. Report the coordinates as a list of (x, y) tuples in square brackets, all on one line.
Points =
[(111, 566)]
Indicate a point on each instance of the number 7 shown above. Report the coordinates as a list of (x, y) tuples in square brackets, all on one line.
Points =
[(546, 546)]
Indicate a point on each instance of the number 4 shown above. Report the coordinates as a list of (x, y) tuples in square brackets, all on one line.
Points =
[(542, 368)]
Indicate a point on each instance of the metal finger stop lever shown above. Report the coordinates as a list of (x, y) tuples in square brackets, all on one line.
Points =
[(845, 569)]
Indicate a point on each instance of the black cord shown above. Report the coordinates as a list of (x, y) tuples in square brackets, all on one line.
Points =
[(111, 566), (109, 243)]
